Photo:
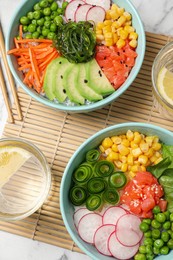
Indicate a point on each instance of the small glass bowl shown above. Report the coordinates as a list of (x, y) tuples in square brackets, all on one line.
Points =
[(163, 59), (23, 192)]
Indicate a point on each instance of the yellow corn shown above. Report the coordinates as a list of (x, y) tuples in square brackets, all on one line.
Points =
[(120, 43), (100, 37), (149, 140), (106, 29), (137, 138), (123, 158), (149, 153), (130, 135), (107, 22), (114, 14), (133, 36), (136, 152), (157, 154), (108, 35), (115, 37), (123, 34), (156, 146), (133, 144), (114, 148), (120, 11), (128, 16), (128, 23), (108, 42), (133, 43), (121, 20), (158, 160), (143, 159), (130, 160), (98, 31), (129, 28), (144, 147), (118, 164), (118, 30), (123, 150), (100, 25), (108, 16), (156, 139), (116, 139), (131, 174), (125, 142), (153, 158), (124, 167), (113, 156), (114, 7), (115, 24), (101, 148), (107, 142), (135, 168)]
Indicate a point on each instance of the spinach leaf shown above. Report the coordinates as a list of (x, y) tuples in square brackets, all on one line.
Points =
[(158, 169), (167, 151)]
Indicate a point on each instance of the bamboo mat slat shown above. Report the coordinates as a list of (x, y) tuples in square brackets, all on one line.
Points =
[(59, 134)]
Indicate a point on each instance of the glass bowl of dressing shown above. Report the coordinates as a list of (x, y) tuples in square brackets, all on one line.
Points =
[(25, 179)]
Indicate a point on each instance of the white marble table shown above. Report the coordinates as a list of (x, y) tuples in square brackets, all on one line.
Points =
[(157, 16)]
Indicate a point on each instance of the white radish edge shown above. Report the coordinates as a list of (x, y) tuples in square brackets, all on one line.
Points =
[(71, 9), (81, 12), (96, 14), (112, 215), (106, 4), (78, 214)]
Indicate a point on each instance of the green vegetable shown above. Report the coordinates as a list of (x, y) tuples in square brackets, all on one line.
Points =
[(93, 202), (24, 20), (31, 28), (170, 243), (76, 41), (142, 249), (92, 156), (104, 168), (167, 151), (78, 195), (158, 169), (165, 236), (44, 3), (164, 250), (160, 217), (83, 173), (95, 185), (140, 256), (155, 233), (144, 227), (155, 223), (158, 243), (156, 210), (111, 196), (117, 180)]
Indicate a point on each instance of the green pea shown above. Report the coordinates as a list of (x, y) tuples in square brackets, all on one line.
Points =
[(139, 257), (25, 28), (164, 250), (47, 24), (147, 220), (30, 15), (161, 218), (155, 224), (148, 234), (53, 27), (149, 249), (144, 227), (167, 214), (165, 236), (35, 35), (149, 256), (172, 226), (156, 250), (155, 233), (39, 29), (24, 20), (54, 6), (51, 35), (156, 210), (44, 3), (58, 20), (64, 5), (166, 225), (142, 249), (40, 21), (47, 11), (28, 36), (60, 11), (47, 18), (148, 241), (50, 1), (53, 15), (34, 21), (170, 243), (31, 28), (158, 243), (37, 7), (171, 217), (41, 37), (45, 32), (37, 14)]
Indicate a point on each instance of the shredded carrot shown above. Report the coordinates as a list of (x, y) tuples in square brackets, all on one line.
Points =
[(33, 57)]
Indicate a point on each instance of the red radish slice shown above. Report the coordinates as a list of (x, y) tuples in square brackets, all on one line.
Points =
[(112, 215), (88, 225), (103, 3), (81, 12), (96, 14), (124, 206), (101, 238), (71, 9), (78, 214), (128, 232), (118, 250)]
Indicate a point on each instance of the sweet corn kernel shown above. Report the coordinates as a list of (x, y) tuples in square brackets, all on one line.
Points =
[(113, 156), (130, 160), (153, 158), (137, 138), (106, 29), (144, 147), (123, 150), (120, 43), (118, 30), (156, 146), (124, 167), (107, 151), (130, 135), (101, 148), (123, 158), (108, 42), (142, 168), (121, 20), (158, 160), (114, 14), (149, 140), (132, 174), (125, 142), (114, 148), (157, 154), (113, 29), (108, 16), (100, 37), (128, 23), (143, 159), (115, 37), (100, 25), (123, 34), (149, 153), (133, 36), (128, 16), (107, 142), (136, 162), (108, 35), (116, 139), (98, 31), (156, 139), (118, 164), (115, 25), (136, 152), (123, 136), (135, 168), (129, 28), (120, 11), (133, 144), (133, 43), (107, 22), (114, 7)]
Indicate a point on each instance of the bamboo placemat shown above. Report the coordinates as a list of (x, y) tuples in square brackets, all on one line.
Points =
[(59, 134)]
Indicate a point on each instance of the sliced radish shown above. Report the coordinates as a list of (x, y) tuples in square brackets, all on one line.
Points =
[(78, 214), (71, 9), (118, 250), (88, 225), (96, 14), (81, 12), (103, 3), (112, 215), (124, 206), (128, 232), (101, 237)]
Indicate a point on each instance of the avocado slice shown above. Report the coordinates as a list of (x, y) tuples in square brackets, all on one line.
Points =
[(70, 83), (97, 79), (53, 86), (83, 87)]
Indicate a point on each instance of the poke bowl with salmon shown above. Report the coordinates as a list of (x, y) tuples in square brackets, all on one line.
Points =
[(116, 193), (75, 55)]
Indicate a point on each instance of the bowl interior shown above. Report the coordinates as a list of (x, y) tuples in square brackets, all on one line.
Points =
[(67, 208), (13, 31)]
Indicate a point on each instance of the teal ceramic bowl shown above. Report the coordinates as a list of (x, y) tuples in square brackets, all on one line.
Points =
[(13, 31), (67, 208)]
